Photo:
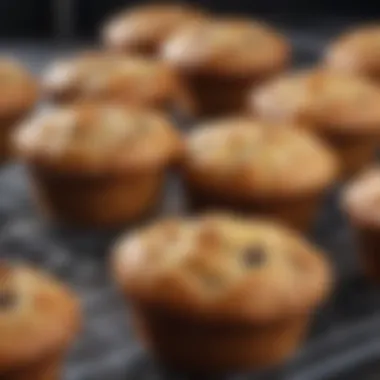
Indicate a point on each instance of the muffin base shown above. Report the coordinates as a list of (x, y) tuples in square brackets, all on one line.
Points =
[(298, 212), (7, 124), (192, 345), (368, 239), (212, 95), (103, 201), (48, 369), (354, 152)]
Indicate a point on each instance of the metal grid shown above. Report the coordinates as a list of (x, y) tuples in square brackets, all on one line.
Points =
[(345, 332)]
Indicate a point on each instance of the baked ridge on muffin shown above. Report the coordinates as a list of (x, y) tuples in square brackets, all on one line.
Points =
[(117, 78), (251, 166), (143, 29), (219, 61), (215, 293), (39, 319), (19, 94), (360, 202), (355, 52), (98, 164), (341, 108)]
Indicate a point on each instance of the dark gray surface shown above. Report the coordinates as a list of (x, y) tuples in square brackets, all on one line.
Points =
[(346, 332)]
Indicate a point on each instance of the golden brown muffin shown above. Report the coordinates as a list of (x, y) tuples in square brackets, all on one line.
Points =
[(97, 165), (218, 292), (341, 108), (356, 52), (250, 166), (39, 319), (18, 96), (220, 60), (143, 29), (112, 78), (361, 202)]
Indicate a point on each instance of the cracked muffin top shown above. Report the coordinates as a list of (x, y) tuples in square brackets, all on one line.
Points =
[(227, 46), (222, 266), (322, 99), (111, 77), (251, 158), (19, 91), (361, 198), (356, 51), (37, 315), (97, 139), (143, 29)]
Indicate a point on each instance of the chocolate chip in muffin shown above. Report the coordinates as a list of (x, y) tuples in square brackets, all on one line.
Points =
[(254, 256)]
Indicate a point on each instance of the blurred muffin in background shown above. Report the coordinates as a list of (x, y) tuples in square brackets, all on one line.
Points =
[(361, 202), (220, 60), (257, 168), (356, 51), (97, 165), (220, 293), (113, 78), (143, 29), (39, 319), (18, 95), (341, 108)]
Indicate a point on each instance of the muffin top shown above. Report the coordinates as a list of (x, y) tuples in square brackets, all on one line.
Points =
[(96, 139), (110, 77), (252, 159), (361, 198), (37, 315), (356, 51), (18, 89), (235, 46), (323, 99), (144, 28), (222, 266)]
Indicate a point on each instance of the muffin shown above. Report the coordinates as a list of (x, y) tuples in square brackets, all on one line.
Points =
[(18, 96), (111, 78), (39, 319), (219, 61), (360, 202), (97, 165), (220, 293), (356, 52), (341, 108), (248, 166), (142, 30)]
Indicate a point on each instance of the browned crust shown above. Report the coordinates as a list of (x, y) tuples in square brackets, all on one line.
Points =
[(143, 29), (257, 298), (35, 149), (353, 52), (67, 81), (185, 51), (321, 100), (48, 326), (249, 180)]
